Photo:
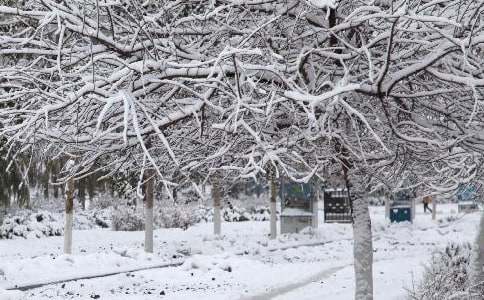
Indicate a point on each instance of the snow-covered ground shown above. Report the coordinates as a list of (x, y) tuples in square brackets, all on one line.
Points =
[(242, 264)]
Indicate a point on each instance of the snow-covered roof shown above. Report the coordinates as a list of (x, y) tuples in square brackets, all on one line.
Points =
[(400, 206)]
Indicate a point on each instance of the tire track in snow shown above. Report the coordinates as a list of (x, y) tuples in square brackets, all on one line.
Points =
[(282, 290), (278, 291)]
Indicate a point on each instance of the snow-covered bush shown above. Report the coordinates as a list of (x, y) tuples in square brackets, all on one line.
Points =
[(184, 216), (102, 218), (102, 202), (126, 218), (177, 216), (231, 213), (41, 223), (447, 275), (448, 219), (8, 2), (84, 220), (235, 214), (29, 224), (260, 213)]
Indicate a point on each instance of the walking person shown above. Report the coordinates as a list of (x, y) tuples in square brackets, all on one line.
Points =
[(426, 201)]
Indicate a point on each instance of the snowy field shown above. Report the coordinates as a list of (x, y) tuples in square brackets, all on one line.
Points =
[(242, 264)]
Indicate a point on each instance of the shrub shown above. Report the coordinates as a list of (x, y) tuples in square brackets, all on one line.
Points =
[(127, 218), (29, 224), (231, 213), (235, 214), (176, 217), (8, 2), (102, 202), (447, 275), (261, 213)]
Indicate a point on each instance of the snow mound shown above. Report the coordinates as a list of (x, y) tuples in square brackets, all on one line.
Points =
[(11, 295), (207, 263)]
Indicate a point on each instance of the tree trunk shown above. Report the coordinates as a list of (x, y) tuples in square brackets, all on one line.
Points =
[(112, 188), (413, 209), (3, 208), (149, 191), (273, 207), (216, 198), (69, 216), (175, 195), (315, 221), (477, 260), (362, 237), (362, 250), (91, 187), (45, 185), (24, 196), (434, 208), (46, 179), (55, 187), (387, 207), (81, 187)]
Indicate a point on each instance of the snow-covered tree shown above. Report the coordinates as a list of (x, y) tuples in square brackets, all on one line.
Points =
[(315, 88)]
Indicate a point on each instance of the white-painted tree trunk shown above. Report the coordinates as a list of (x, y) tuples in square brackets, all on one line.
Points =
[(273, 207), (413, 209), (69, 215), (477, 259), (322, 204), (217, 217), (362, 250), (148, 205), (68, 233), (434, 208), (273, 220), (149, 229), (217, 221), (315, 221), (387, 208)]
